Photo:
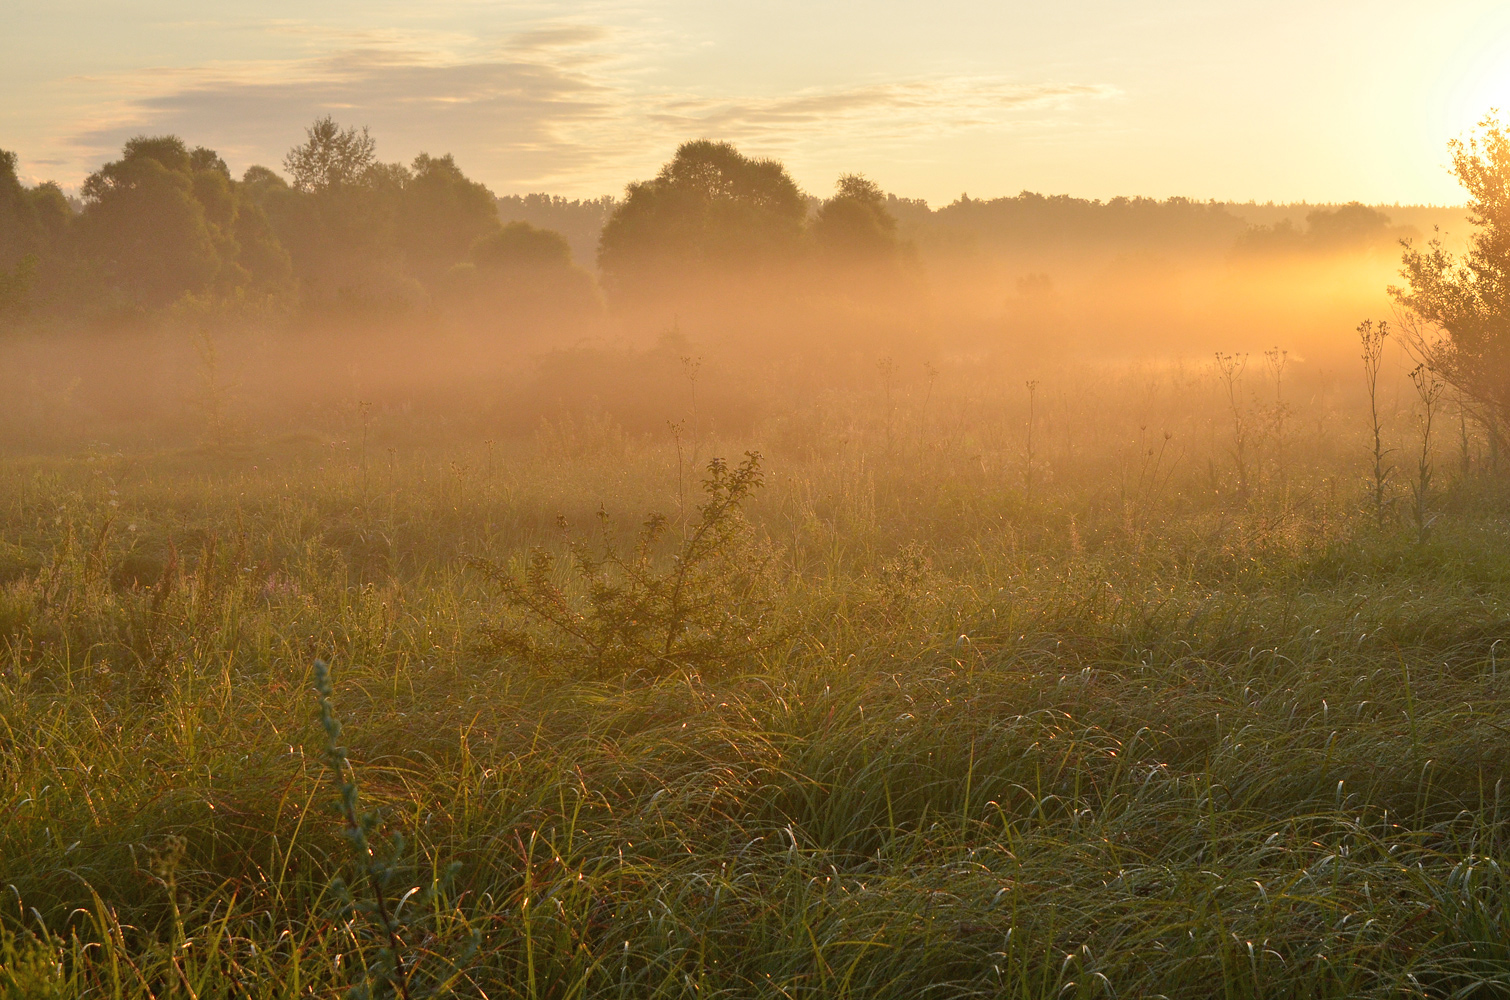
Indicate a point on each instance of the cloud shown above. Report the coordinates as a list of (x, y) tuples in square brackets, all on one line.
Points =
[(557, 36), (897, 109), (557, 106), (524, 112)]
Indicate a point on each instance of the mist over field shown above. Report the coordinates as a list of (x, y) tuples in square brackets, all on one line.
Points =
[(722, 588), (414, 286)]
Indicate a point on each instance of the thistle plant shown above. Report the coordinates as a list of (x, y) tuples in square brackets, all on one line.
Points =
[(1372, 337), (1230, 369), (1429, 388)]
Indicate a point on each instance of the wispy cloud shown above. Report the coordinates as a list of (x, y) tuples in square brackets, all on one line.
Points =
[(904, 108), (557, 105), (510, 113), (557, 36)]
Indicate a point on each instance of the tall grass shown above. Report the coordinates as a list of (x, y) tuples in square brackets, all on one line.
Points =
[(1212, 733)]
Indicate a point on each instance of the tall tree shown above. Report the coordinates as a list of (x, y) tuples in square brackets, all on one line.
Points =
[(143, 230), (33, 224), (710, 208), (854, 225), (442, 214), (338, 220), (1456, 310), (330, 156), (165, 221)]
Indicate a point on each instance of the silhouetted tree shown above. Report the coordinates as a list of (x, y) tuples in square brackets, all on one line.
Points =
[(1456, 310), (442, 214), (144, 232), (581, 221), (1039, 222), (330, 156), (165, 221), (710, 207), (520, 245), (854, 225), (520, 281), (339, 220), (33, 224), (32, 220), (1354, 226), (1350, 225)]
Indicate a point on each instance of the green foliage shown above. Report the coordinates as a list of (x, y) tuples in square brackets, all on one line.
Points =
[(32, 220), (709, 207), (1457, 310), (143, 228), (579, 220), (165, 231), (394, 911), (520, 246), (854, 225), (442, 215), (15, 286), (165, 223), (709, 610), (330, 156)]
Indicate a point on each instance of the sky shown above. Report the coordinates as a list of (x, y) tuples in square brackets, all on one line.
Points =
[(1274, 101)]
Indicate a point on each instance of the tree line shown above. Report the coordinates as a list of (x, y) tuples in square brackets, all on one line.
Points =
[(166, 226), (339, 232)]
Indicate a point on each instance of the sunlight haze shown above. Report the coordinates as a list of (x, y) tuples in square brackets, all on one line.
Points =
[(1277, 101)]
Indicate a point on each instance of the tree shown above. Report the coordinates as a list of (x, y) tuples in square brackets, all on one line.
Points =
[(520, 246), (338, 221), (331, 156), (520, 278), (854, 225), (442, 213), (143, 229), (165, 221), (580, 221), (709, 208), (33, 223), (1455, 311)]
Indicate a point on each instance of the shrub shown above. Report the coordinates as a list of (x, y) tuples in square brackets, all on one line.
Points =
[(632, 613)]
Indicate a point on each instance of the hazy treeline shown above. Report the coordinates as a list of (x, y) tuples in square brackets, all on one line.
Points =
[(1035, 223), (283, 290), (167, 225), (166, 228), (580, 220)]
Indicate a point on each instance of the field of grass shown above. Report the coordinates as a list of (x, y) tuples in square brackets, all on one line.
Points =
[(1158, 704)]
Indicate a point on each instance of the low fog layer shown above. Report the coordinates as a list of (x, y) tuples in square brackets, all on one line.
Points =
[(170, 301)]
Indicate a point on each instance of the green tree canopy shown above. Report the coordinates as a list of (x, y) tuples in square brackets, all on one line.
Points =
[(164, 221), (442, 214), (330, 156), (32, 220), (854, 224), (710, 207), (1456, 310), (521, 246), (143, 230)]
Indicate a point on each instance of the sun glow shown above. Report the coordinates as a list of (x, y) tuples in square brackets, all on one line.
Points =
[(1480, 84)]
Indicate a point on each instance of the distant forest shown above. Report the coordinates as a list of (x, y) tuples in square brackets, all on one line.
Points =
[(166, 228)]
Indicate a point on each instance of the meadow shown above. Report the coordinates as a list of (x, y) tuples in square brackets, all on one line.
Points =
[(1126, 681)]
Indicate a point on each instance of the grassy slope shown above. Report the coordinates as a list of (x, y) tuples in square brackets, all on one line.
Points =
[(1137, 736)]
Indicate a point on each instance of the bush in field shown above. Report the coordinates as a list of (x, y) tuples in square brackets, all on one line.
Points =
[(632, 613)]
